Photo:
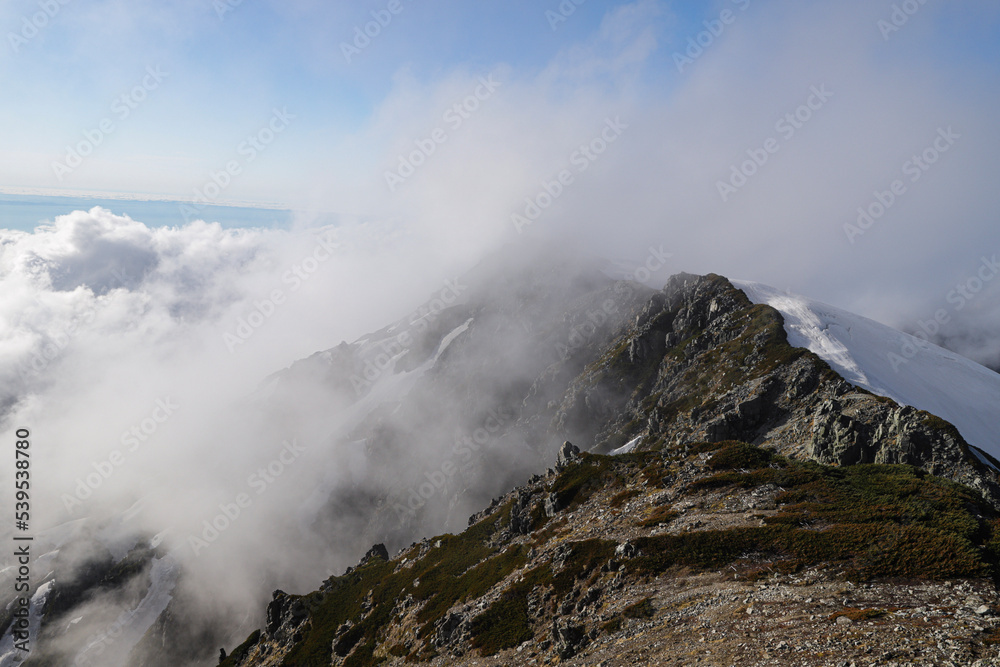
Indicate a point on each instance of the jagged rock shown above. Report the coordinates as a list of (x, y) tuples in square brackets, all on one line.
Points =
[(284, 615), (567, 454), (721, 369), (626, 550), (450, 629), (568, 637), (377, 551), (275, 610), (589, 598), (520, 515), (479, 516), (552, 505), (562, 552)]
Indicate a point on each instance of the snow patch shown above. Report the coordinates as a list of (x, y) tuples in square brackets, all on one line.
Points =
[(116, 642), (982, 459), (626, 448), (10, 656), (158, 538), (867, 354)]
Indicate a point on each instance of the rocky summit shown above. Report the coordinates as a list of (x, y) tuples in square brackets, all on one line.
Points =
[(717, 497)]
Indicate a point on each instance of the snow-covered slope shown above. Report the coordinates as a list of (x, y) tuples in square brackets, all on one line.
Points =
[(894, 364), (113, 646), (9, 655)]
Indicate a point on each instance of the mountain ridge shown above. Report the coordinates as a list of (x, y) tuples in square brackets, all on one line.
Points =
[(698, 363)]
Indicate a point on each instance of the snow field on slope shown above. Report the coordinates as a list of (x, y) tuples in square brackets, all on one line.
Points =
[(894, 364)]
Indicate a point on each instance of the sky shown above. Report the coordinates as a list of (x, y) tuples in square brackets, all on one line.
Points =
[(843, 151), (226, 66), (291, 104)]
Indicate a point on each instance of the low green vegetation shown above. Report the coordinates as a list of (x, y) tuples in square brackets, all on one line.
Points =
[(241, 651), (581, 479), (658, 516), (873, 520), (620, 499), (455, 568), (938, 424), (861, 614), (583, 563), (739, 455), (506, 623), (446, 585), (642, 609), (612, 626)]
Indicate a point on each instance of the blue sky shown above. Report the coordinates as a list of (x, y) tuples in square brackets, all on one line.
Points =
[(227, 67), (228, 64)]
